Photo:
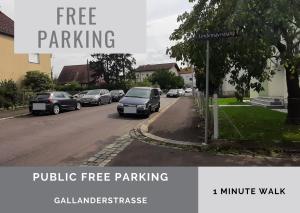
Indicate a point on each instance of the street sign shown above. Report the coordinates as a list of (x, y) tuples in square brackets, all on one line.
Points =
[(207, 37), (218, 35)]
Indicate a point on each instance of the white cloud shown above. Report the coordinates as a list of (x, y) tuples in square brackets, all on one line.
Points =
[(162, 20)]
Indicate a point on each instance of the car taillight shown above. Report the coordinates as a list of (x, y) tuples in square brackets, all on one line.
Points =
[(50, 101)]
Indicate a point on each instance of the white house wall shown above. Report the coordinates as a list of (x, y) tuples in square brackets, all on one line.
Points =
[(227, 88)]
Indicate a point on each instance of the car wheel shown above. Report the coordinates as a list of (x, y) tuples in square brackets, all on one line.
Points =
[(110, 101), (56, 109), (99, 102), (157, 108), (78, 106), (121, 114)]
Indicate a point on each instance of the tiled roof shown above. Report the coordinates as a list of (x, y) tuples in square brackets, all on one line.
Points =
[(78, 73), (6, 25), (155, 67), (187, 70)]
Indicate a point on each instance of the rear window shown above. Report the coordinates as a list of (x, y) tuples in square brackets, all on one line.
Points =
[(43, 96)]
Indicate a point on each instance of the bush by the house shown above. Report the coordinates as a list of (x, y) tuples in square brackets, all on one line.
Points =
[(72, 87), (37, 81), (8, 94)]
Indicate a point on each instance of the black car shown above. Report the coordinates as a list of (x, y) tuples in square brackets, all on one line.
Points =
[(140, 101), (116, 95), (53, 102)]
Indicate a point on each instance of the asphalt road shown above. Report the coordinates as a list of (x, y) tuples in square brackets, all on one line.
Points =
[(65, 139)]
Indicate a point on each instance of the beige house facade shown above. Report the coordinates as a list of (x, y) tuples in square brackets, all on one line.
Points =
[(14, 66)]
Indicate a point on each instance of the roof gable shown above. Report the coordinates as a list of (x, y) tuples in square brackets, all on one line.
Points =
[(156, 67), (78, 73), (6, 25)]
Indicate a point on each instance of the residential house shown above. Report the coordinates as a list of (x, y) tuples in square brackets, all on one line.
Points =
[(145, 71), (188, 76), (78, 73), (14, 66), (227, 89), (275, 93)]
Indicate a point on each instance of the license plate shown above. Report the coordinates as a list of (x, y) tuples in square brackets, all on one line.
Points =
[(130, 110), (39, 106)]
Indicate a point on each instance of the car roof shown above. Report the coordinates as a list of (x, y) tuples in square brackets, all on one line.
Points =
[(142, 88)]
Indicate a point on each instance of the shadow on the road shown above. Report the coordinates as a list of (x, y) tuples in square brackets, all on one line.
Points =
[(127, 117)]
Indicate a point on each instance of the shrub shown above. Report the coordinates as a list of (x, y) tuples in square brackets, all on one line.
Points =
[(70, 87), (37, 81), (8, 94)]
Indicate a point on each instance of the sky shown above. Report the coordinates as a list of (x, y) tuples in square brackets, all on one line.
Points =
[(161, 22)]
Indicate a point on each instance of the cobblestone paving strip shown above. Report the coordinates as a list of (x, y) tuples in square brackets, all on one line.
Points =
[(103, 157)]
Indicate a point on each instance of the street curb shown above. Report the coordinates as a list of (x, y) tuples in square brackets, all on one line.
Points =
[(12, 117), (144, 128)]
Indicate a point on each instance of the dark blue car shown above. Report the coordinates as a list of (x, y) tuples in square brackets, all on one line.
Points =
[(140, 101)]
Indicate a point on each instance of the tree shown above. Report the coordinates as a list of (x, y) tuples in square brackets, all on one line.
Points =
[(166, 80), (268, 33), (37, 81), (114, 68)]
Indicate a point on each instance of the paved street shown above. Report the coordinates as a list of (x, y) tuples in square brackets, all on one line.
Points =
[(66, 139)]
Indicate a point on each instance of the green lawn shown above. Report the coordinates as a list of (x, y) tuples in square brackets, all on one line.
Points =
[(229, 101), (257, 124)]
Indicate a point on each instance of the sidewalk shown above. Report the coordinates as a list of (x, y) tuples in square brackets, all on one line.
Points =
[(13, 113), (180, 122)]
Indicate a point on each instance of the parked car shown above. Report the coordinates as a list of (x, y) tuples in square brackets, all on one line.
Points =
[(173, 93), (96, 97), (140, 101), (78, 96), (188, 90), (53, 102), (116, 95), (160, 91), (181, 92)]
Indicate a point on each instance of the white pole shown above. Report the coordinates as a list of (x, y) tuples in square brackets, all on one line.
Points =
[(207, 92), (216, 117)]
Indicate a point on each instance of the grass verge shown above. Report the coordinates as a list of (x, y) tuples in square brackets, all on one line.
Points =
[(230, 101)]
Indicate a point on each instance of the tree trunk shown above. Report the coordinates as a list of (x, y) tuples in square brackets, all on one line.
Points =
[(292, 80)]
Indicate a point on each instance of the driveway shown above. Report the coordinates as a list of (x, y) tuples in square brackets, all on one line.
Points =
[(66, 139)]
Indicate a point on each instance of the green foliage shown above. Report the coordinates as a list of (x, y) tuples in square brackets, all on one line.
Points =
[(264, 27), (269, 32), (8, 94), (70, 87), (114, 68), (37, 81), (166, 80)]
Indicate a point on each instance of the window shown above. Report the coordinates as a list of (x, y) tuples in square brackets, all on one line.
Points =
[(59, 95), (34, 58)]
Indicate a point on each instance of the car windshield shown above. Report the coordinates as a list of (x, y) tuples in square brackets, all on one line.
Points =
[(94, 92), (138, 93), (173, 90)]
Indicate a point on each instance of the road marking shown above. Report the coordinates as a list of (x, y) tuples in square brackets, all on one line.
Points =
[(12, 117)]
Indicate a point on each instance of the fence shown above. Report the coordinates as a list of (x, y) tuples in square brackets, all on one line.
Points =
[(213, 124)]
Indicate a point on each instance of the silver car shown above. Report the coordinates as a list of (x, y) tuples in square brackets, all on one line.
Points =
[(96, 97)]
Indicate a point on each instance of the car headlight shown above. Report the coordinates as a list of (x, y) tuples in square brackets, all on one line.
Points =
[(120, 105), (142, 106)]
